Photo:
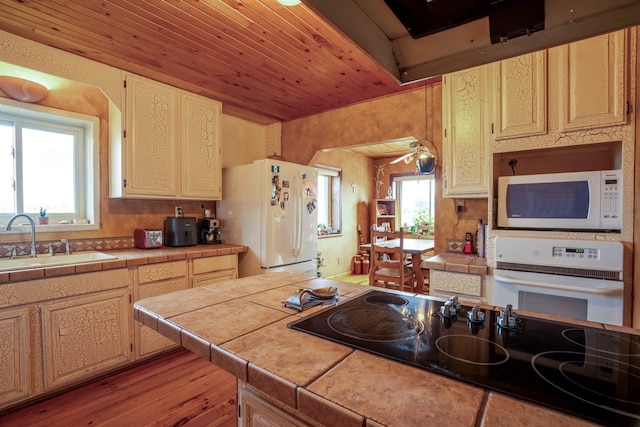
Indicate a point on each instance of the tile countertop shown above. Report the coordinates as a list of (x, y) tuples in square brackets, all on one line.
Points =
[(125, 258), (455, 262), (240, 325)]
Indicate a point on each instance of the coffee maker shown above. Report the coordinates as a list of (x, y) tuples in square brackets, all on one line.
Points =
[(209, 231)]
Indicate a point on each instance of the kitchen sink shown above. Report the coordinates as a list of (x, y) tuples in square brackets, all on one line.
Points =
[(47, 260)]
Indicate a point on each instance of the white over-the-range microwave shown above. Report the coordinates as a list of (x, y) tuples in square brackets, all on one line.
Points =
[(589, 200)]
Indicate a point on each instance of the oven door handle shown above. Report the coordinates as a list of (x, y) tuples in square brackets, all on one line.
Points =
[(599, 291)]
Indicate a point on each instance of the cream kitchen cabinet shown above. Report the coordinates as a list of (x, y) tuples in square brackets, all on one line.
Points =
[(255, 409), (468, 287), (210, 270), (62, 330), (85, 335), (201, 154), (593, 82), (520, 91), (57, 332), (152, 280), (15, 355), (466, 125), (172, 147)]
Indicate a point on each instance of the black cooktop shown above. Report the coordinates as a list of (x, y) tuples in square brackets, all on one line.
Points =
[(590, 373)]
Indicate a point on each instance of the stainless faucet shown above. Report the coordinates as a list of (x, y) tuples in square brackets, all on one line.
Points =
[(67, 248), (33, 230)]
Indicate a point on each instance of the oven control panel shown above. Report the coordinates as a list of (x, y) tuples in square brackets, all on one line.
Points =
[(547, 254), (576, 252)]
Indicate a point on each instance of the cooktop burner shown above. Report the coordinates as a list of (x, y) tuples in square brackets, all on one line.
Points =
[(590, 373)]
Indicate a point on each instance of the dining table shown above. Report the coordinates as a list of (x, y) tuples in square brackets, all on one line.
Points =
[(414, 247)]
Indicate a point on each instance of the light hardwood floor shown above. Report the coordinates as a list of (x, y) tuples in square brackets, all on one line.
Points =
[(178, 389), (362, 279)]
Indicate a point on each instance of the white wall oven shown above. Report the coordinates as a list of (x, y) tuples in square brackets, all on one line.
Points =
[(580, 279)]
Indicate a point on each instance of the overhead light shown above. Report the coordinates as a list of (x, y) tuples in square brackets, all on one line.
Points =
[(289, 2), (426, 165)]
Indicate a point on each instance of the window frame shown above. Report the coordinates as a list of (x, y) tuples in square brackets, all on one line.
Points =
[(397, 193), (334, 202), (86, 166)]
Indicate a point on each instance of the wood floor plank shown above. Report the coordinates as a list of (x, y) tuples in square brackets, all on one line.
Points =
[(102, 394), (104, 387), (178, 389), (134, 404), (197, 396)]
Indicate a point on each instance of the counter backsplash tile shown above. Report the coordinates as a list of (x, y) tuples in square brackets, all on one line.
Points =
[(75, 246)]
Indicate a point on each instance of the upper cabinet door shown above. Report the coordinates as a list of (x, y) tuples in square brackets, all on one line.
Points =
[(201, 152), (173, 144), (593, 82), (521, 96), (466, 117), (151, 155)]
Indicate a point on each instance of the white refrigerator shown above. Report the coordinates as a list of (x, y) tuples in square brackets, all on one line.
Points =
[(270, 206)]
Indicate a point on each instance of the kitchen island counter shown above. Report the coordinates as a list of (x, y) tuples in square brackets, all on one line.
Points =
[(241, 326)]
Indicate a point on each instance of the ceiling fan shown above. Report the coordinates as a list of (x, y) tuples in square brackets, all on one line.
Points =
[(425, 160)]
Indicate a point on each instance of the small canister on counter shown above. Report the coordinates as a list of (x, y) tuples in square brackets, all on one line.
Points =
[(468, 244), (365, 264), (357, 265)]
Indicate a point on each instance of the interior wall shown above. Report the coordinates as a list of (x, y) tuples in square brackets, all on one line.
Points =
[(378, 120), (241, 133), (338, 251), (635, 265), (417, 113)]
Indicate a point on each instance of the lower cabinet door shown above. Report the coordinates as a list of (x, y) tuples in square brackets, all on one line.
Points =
[(15, 357), (85, 336), (149, 342), (446, 283), (257, 410)]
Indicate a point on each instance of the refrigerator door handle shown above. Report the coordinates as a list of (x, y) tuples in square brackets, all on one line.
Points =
[(297, 217)]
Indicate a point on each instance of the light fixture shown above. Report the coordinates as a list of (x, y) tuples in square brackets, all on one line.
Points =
[(289, 2), (22, 89), (426, 162), (426, 165)]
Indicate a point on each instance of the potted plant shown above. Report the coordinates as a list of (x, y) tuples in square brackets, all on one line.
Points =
[(43, 219), (423, 224), (323, 230), (320, 263), (379, 179)]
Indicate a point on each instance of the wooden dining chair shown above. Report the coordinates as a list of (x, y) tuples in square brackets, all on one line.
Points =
[(388, 267), (423, 233)]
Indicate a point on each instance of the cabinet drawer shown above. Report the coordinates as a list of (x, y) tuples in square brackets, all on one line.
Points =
[(21, 293), (215, 277), (223, 262), (162, 271)]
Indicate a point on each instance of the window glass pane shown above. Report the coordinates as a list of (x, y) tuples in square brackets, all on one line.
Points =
[(329, 201), (416, 197), (323, 200), (7, 197), (48, 171)]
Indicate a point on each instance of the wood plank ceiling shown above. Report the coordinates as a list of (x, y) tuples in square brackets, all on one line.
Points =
[(263, 61)]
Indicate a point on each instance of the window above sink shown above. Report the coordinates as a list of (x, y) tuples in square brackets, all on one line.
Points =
[(51, 166)]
